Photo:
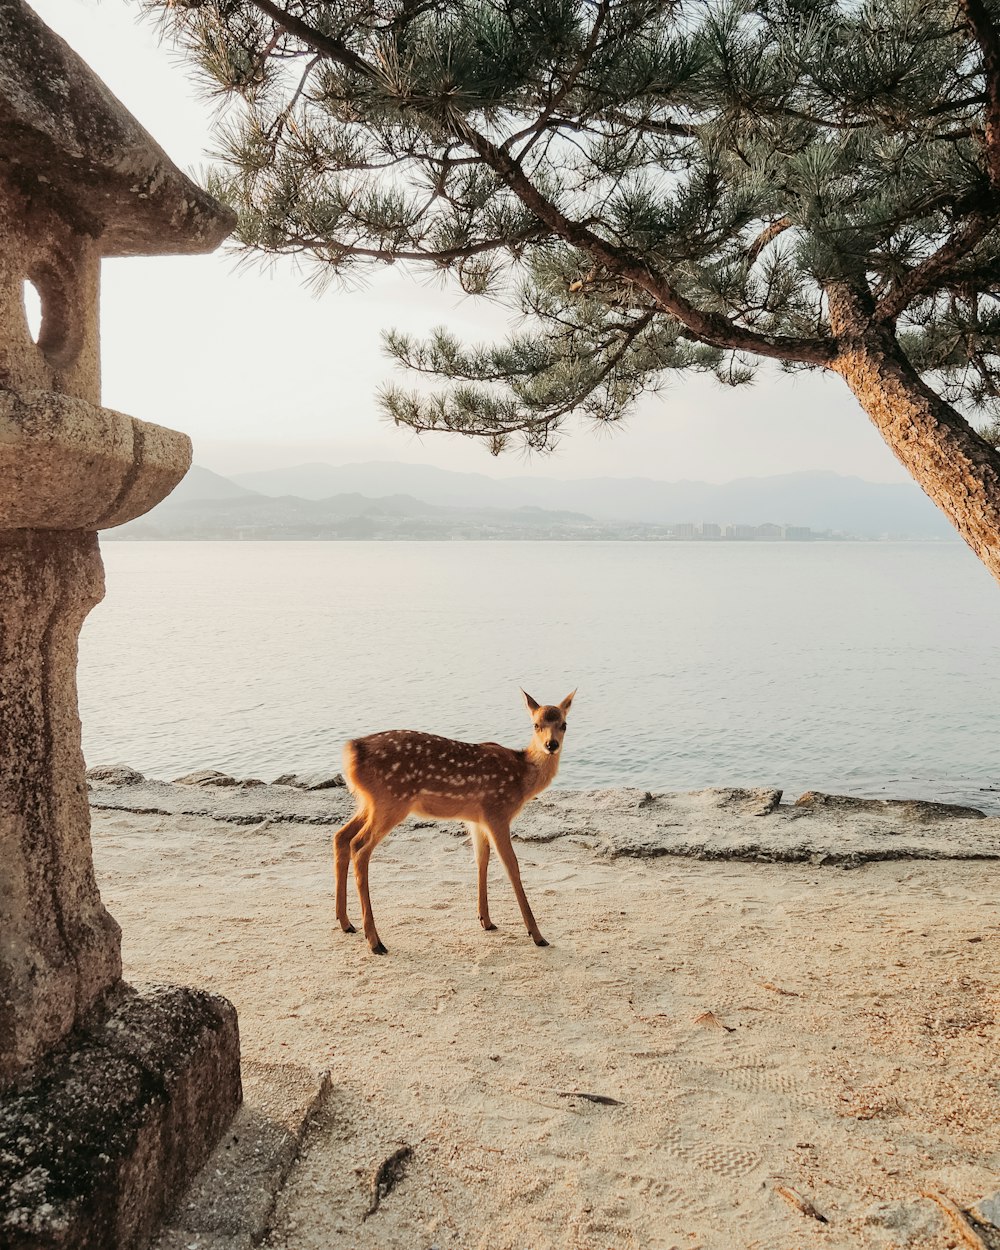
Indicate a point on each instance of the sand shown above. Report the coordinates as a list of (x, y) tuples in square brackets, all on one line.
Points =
[(827, 1024)]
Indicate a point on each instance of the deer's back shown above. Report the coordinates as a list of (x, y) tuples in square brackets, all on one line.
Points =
[(433, 775)]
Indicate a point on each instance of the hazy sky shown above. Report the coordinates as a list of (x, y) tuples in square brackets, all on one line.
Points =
[(261, 372)]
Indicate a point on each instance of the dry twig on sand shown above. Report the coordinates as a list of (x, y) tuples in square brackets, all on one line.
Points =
[(800, 1203), (603, 1099), (387, 1176), (777, 989)]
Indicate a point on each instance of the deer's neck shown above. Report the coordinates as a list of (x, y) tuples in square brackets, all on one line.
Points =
[(541, 769)]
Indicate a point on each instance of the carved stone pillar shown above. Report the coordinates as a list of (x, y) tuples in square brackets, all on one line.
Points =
[(59, 947), (110, 1098)]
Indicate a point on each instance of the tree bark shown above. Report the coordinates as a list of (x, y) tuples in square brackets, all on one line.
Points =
[(951, 463)]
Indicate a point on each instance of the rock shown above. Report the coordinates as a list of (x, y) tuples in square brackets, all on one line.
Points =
[(322, 781), (250, 783), (115, 775), (757, 801), (310, 781), (206, 777), (987, 1210), (917, 810), (107, 1133), (232, 1199)]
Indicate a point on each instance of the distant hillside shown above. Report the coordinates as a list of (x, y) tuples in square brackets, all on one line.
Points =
[(440, 504), (821, 500), (237, 513), (202, 483)]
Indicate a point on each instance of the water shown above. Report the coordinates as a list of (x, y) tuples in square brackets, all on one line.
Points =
[(859, 668)]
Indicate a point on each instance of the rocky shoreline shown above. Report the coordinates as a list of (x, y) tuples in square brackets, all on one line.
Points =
[(753, 825)]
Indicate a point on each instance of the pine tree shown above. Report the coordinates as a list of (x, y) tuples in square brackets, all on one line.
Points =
[(656, 185)]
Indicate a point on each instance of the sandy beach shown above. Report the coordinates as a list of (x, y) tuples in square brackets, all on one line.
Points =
[(757, 1025)]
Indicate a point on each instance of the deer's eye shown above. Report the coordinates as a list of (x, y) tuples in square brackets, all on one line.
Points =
[(563, 727)]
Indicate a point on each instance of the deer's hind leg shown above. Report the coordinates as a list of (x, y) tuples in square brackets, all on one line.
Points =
[(481, 845), (379, 824), (341, 861)]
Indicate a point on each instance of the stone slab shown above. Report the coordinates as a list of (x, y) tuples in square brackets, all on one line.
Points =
[(230, 1203), (110, 1130)]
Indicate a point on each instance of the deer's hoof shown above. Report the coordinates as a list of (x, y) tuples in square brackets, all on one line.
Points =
[(348, 928), (488, 926), (539, 941), (379, 950)]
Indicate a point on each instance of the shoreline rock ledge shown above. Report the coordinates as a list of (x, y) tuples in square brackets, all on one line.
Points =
[(733, 823)]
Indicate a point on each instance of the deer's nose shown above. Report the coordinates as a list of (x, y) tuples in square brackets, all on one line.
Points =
[(552, 746)]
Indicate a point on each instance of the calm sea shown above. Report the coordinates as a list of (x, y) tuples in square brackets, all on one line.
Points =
[(860, 668)]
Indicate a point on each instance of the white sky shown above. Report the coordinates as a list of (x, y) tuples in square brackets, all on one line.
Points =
[(262, 373)]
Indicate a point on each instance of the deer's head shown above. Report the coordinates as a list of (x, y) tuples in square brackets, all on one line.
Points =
[(549, 721)]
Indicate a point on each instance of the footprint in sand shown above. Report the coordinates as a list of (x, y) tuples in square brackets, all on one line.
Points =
[(726, 1159)]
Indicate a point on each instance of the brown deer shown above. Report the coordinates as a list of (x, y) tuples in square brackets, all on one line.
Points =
[(402, 771)]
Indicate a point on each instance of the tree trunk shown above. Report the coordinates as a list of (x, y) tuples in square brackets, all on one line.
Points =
[(953, 465)]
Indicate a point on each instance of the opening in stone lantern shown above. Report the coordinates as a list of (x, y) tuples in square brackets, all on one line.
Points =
[(32, 309), (53, 283)]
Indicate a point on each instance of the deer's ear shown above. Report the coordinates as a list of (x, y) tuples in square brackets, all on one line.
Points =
[(532, 705), (567, 702)]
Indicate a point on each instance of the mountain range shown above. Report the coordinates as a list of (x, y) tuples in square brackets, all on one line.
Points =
[(381, 499)]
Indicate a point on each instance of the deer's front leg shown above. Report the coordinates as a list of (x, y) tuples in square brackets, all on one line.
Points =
[(500, 833)]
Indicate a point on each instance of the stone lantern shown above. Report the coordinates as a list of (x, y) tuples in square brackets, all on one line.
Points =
[(109, 1098)]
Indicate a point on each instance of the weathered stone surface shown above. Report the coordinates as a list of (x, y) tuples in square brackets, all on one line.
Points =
[(107, 1134), (206, 777), (115, 775), (66, 464), (65, 138), (239, 805), (230, 1202), (917, 810), (38, 244), (988, 1210), (310, 781), (755, 801), (102, 1116), (701, 824), (59, 948)]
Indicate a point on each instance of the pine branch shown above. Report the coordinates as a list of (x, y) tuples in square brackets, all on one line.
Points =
[(334, 49), (712, 328), (934, 271), (766, 236)]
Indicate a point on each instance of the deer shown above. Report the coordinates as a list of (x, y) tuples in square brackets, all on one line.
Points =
[(402, 772)]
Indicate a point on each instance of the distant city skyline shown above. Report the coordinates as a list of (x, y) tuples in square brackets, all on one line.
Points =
[(263, 374)]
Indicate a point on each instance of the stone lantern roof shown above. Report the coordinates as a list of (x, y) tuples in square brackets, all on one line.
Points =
[(66, 139)]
